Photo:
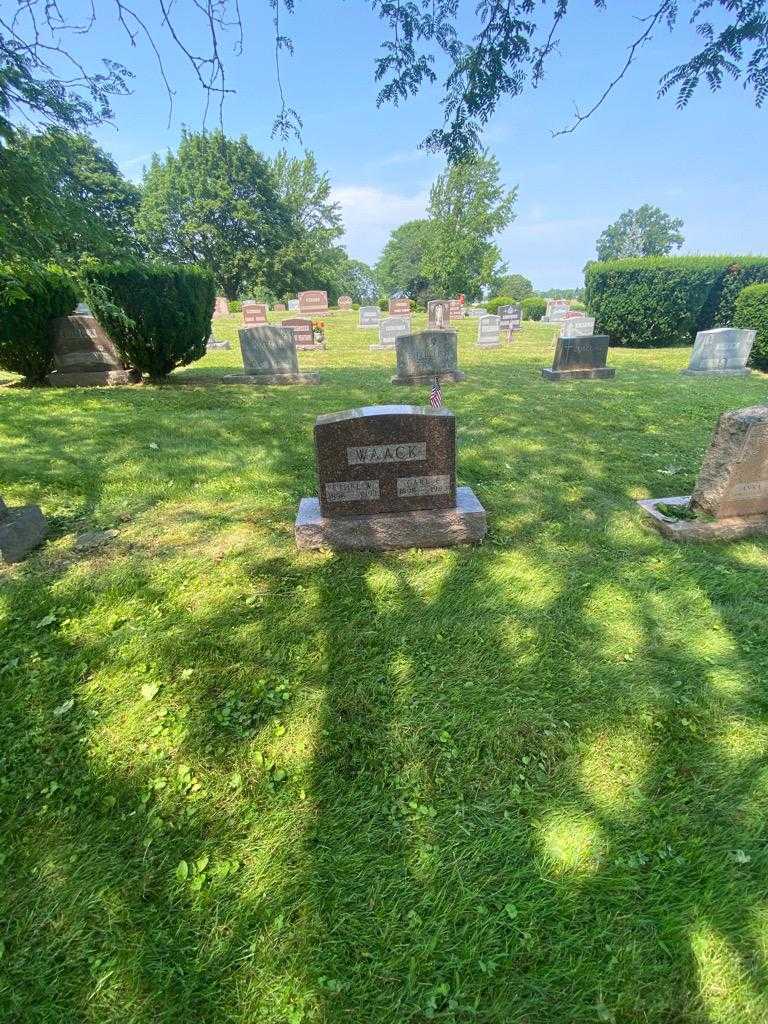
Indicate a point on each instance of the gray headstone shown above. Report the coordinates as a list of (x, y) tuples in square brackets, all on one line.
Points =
[(293, 304), (476, 311), (488, 331), (21, 529), (429, 354), (386, 458), (724, 350), (577, 327), (511, 318), (268, 349), (370, 316), (80, 345), (390, 328), (580, 359), (556, 310), (733, 480), (439, 314)]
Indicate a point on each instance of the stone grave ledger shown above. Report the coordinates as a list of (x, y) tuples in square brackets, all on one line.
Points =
[(730, 497), (344, 302), (21, 529), (221, 308), (400, 307), (387, 479), (254, 313), (390, 328), (83, 355), (303, 334), (581, 358), (424, 356), (269, 357), (724, 350), (439, 314), (313, 302), (488, 331), (370, 316), (577, 327)]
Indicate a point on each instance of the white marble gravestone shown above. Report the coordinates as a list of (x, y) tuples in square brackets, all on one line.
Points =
[(390, 328), (488, 331), (370, 316), (724, 350)]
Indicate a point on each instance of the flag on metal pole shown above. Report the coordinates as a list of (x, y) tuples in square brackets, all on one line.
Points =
[(436, 394)]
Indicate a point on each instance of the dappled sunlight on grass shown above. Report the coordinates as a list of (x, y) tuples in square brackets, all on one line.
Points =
[(726, 991), (571, 842), (613, 771)]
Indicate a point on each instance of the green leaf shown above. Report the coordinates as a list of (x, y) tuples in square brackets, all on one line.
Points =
[(202, 863), (182, 871), (187, 673), (150, 690), (47, 621)]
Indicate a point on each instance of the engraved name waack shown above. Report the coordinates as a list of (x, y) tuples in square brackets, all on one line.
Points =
[(404, 451)]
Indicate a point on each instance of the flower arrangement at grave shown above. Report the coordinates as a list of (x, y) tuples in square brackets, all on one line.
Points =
[(318, 331)]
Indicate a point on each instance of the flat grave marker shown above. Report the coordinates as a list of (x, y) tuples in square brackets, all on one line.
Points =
[(387, 479)]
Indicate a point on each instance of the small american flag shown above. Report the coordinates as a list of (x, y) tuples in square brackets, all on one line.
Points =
[(436, 394)]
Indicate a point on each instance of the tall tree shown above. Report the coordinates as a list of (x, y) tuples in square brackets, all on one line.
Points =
[(468, 206), (515, 286), (62, 197), (311, 259), (401, 265), (358, 280), (215, 203), (646, 231), (504, 49)]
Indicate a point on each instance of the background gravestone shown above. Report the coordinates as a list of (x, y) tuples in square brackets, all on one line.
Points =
[(214, 345), (488, 331), (455, 309), (439, 314), (400, 307), (556, 310), (254, 313), (580, 359), (21, 529), (279, 307), (370, 316), (313, 302), (424, 356), (303, 334), (511, 318), (724, 350), (269, 357), (390, 328), (387, 479), (730, 498), (84, 355), (345, 302), (293, 304), (221, 308), (577, 327), (477, 311)]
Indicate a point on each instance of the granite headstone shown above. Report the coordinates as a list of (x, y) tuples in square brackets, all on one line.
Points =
[(577, 327), (390, 328), (455, 309), (488, 331), (399, 307), (221, 308), (344, 302), (269, 357), (254, 313), (580, 358), (439, 314), (293, 304), (387, 479), (85, 356), (22, 528), (313, 302), (422, 357), (370, 316), (303, 333)]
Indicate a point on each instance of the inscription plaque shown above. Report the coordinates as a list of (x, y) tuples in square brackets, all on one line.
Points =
[(419, 486), (404, 451), (352, 490)]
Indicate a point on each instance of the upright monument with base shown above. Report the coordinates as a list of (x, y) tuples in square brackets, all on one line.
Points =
[(84, 356), (269, 357), (387, 479), (580, 358), (730, 499), (422, 357), (723, 351)]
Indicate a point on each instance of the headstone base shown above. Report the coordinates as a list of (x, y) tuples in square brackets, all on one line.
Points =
[(92, 378), (318, 346), (271, 378), (489, 344), (386, 531), (21, 530), (596, 373), (426, 378), (694, 531), (741, 372), (382, 348)]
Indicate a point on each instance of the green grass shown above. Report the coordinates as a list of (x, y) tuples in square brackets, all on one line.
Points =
[(526, 782)]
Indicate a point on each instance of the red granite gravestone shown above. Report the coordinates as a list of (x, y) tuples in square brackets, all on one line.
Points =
[(399, 307), (456, 310), (302, 333), (222, 306), (84, 355), (345, 302), (314, 302), (279, 307), (387, 479), (254, 313)]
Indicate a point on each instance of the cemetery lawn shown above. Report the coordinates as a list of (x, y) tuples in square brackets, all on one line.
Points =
[(525, 783)]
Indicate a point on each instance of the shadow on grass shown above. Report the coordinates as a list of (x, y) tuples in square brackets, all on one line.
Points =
[(516, 783)]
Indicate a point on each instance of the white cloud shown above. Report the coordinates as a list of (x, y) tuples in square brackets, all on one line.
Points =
[(370, 214)]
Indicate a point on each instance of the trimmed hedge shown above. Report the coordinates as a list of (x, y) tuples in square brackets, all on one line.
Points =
[(665, 300), (501, 300), (158, 316), (534, 307), (751, 311), (31, 296)]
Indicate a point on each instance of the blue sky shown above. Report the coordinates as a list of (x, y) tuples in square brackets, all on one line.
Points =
[(704, 164)]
